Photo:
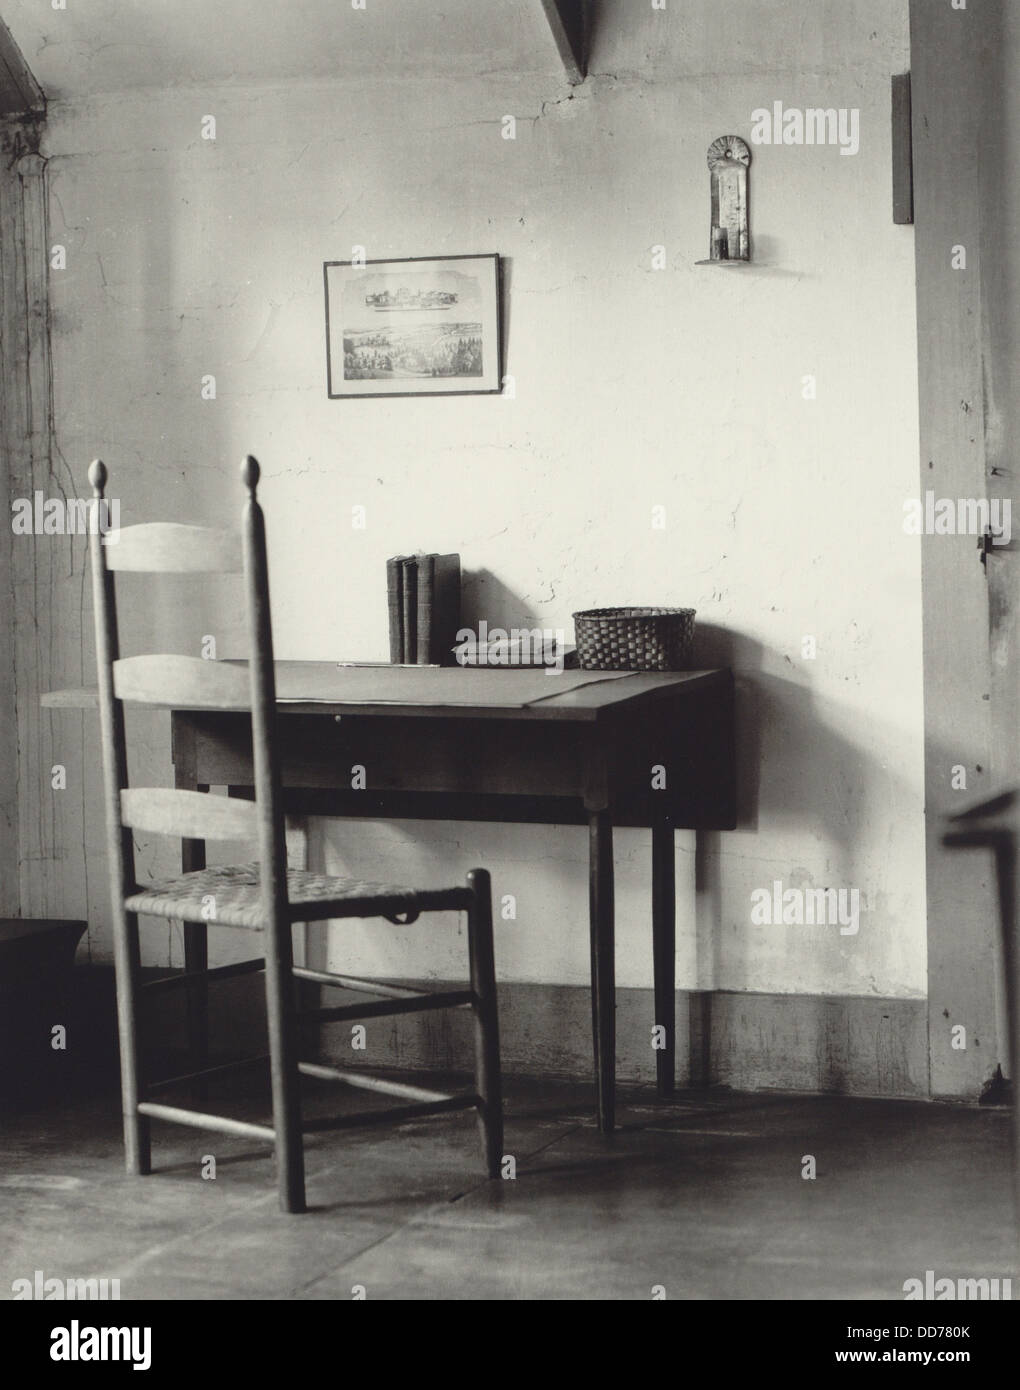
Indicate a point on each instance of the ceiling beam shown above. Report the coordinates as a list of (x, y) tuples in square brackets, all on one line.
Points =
[(569, 24), (20, 93)]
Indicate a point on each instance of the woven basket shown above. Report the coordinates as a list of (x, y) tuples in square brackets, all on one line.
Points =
[(635, 639)]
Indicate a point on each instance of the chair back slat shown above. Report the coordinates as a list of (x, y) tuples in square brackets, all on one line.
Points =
[(181, 682), (166, 547), (188, 815), (187, 682)]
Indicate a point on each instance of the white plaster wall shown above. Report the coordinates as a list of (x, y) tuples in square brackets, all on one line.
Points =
[(634, 387)]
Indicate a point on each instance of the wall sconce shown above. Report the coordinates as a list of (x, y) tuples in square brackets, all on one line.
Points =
[(728, 160)]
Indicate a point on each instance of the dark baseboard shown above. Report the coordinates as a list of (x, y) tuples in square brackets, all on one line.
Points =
[(845, 1045), (852, 1045)]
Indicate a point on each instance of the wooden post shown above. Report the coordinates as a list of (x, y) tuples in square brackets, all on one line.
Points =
[(20, 93), (280, 1002), (603, 964), (486, 1020), (34, 635), (902, 159), (119, 843), (947, 78), (664, 950), (568, 21)]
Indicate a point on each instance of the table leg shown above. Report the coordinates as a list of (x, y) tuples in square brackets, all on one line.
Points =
[(603, 965), (664, 951)]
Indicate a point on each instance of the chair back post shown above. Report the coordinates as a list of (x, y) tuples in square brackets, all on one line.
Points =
[(272, 840), (120, 843), (279, 957)]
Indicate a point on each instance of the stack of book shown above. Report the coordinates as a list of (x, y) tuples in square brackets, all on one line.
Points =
[(423, 600)]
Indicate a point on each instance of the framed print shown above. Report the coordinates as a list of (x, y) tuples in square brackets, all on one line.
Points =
[(415, 327)]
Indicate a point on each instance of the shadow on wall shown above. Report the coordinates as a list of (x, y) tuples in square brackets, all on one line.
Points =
[(805, 775), (816, 776), (817, 780), (482, 595), (795, 773)]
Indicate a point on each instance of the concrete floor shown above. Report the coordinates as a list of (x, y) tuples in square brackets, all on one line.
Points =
[(702, 1195)]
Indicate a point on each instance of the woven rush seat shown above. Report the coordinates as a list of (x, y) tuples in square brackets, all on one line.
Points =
[(234, 890)]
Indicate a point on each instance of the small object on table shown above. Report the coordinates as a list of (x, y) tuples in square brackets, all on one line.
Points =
[(517, 652), (635, 639), (423, 604)]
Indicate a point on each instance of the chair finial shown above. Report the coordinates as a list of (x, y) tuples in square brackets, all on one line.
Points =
[(97, 476), (250, 473)]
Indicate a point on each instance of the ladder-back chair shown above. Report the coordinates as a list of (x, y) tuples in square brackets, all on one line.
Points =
[(265, 896)]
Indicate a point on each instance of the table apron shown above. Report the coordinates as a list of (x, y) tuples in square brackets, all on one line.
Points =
[(661, 768)]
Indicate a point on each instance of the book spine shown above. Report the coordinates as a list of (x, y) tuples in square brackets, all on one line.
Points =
[(395, 607), (410, 605), (426, 636), (446, 608)]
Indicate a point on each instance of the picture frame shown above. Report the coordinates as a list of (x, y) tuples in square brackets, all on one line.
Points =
[(416, 326)]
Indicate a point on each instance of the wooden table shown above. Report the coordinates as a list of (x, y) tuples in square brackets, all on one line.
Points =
[(653, 750)]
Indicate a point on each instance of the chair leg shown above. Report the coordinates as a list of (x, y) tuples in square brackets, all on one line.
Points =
[(196, 958), (489, 1082), (127, 958), (283, 1060)]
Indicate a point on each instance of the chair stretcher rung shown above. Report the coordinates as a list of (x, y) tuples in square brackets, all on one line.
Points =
[(420, 1003), (218, 972), (197, 1119), (399, 1112), (371, 1083), (221, 1069), (324, 977)]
